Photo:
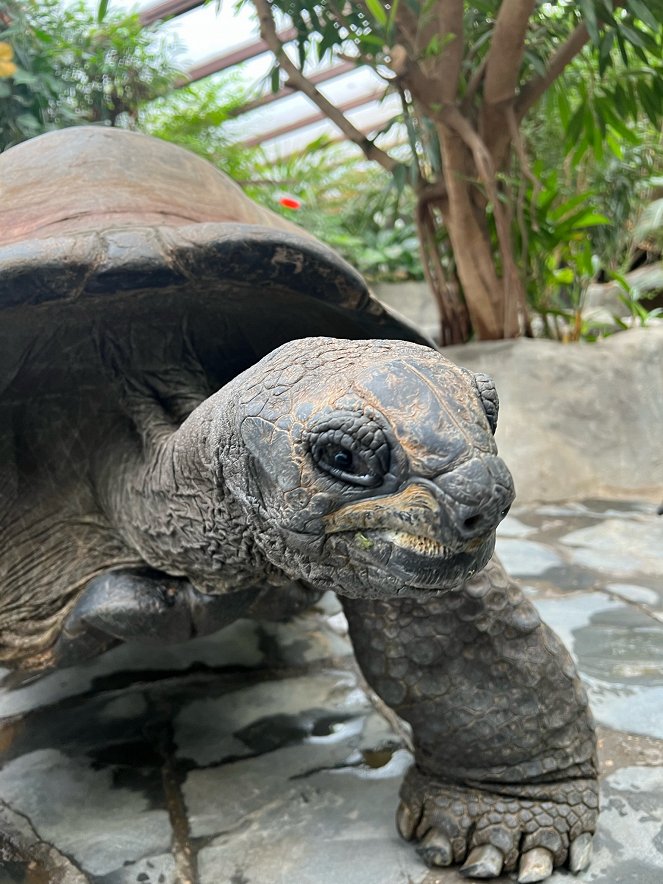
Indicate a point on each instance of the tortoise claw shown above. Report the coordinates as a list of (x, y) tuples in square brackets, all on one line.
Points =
[(580, 852), (406, 821), (535, 865), (435, 849), (485, 861)]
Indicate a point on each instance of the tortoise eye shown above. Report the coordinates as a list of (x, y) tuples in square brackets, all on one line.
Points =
[(346, 461), (351, 448), (343, 460)]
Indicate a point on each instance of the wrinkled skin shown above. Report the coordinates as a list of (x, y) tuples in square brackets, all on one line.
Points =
[(368, 468)]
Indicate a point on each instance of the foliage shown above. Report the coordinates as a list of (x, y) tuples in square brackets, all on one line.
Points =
[(631, 298), (650, 222), (558, 248), (75, 66), (549, 225), (470, 77), (348, 204), (194, 116)]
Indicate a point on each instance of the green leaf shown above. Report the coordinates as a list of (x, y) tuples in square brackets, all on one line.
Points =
[(650, 102), (565, 276), (26, 78), (589, 17), (580, 151), (28, 122), (634, 37), (591, 219), (568, 206), (620, 280), (42, 36), (563, 107), (399, 174), (605, 49), (622, 49), (275, 78), (614, 146), (620, 322), (392, 15), (597, 141), (575, 126), (102, 9), (377, 10)]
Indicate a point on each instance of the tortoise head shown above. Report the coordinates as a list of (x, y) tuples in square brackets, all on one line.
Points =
[(370, 467)]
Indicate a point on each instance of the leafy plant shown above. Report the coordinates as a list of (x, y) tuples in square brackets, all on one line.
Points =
[(194, 116), (77, 66), (469, 77), (631, 297), (650, 223), (560, 260), (352, 206)]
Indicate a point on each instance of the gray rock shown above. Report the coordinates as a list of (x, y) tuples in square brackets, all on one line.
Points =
[(616, 546), (578, 420), (81, 811), (525, 558)]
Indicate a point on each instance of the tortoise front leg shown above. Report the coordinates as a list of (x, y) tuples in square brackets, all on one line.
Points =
[(141, 605), (505, 755)]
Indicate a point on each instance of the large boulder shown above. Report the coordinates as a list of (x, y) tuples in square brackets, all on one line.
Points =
[(578, 420)]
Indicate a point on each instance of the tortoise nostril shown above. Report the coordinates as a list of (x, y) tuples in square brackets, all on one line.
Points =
[(472, 522)]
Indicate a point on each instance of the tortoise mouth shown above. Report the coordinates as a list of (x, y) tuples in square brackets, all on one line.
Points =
[(419, 561)]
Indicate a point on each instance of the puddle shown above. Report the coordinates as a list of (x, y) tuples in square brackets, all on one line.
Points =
[(276, 731), (376, 758), (622, 646)]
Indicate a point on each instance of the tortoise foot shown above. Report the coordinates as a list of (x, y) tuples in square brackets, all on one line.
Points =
[(144, 606), (533, 828)]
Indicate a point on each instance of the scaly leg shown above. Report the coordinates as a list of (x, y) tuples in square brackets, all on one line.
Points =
[(505, 754)]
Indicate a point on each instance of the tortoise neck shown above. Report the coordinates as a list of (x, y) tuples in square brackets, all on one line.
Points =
[(176, 510)]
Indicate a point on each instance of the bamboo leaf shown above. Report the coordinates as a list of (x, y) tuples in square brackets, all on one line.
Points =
[(591, 219), (392, 15), (377, 10), (589, 17)]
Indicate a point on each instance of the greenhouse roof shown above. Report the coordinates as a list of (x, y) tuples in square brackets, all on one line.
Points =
[(214, 38)]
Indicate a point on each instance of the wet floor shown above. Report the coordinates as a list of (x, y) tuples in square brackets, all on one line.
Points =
[(256, 757)]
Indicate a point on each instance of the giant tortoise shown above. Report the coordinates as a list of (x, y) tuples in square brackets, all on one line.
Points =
[(204, 415)]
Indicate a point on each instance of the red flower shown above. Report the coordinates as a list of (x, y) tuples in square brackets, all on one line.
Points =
[(289, 202)]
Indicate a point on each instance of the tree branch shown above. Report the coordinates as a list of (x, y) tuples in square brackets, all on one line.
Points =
[(447, 69), (475, 81), (532, 91), (564, 54), (298, 81), (423, 89), (514, 295), (506, 50)]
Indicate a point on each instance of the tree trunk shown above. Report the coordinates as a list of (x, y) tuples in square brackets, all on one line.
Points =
[(470, 242), (454, 316)]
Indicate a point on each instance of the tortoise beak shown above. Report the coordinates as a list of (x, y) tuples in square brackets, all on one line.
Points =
[(426, 515), (415, 505), (431, 533)]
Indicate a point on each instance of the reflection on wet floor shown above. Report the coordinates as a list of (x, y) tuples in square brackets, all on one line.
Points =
[(255, 755)]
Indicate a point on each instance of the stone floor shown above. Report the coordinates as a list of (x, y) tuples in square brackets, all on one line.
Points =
[(256, 757)]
